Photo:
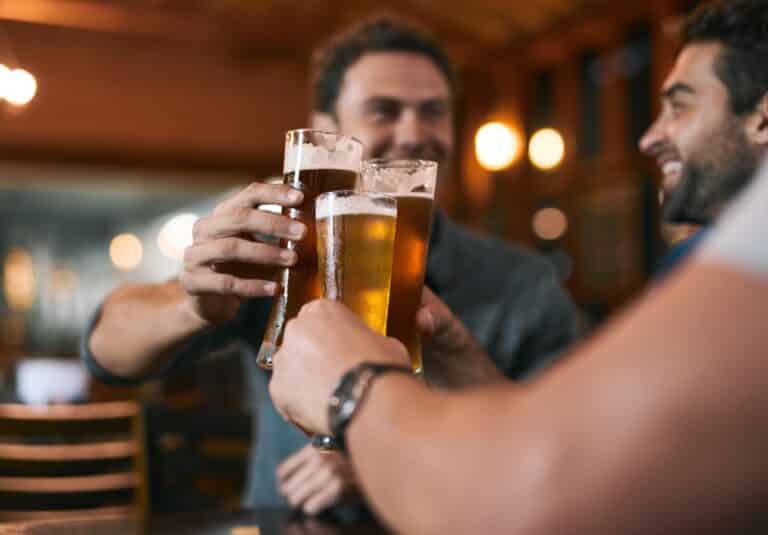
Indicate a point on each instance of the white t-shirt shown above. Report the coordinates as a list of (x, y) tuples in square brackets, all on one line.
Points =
[(741, 235)]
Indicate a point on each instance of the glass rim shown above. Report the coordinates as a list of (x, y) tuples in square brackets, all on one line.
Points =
[(323, 132), (398, 163)]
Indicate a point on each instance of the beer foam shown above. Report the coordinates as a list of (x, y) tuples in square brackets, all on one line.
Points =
[(308, 156), (358, 205), (418, 181)]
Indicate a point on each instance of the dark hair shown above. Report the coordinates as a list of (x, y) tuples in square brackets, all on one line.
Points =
[(742, 27), (380, 34)]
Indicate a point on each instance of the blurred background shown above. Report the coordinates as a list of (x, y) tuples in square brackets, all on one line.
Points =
[(122, 121)]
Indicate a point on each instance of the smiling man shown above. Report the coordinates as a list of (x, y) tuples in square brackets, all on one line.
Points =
[(657, 425), (393, 88), (712, 130)]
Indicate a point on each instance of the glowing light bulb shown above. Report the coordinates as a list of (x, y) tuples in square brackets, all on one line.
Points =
[(497, 146), (20, 87), (547, 149)]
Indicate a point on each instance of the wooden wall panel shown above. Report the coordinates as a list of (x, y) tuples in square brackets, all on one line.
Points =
[(107, 95)]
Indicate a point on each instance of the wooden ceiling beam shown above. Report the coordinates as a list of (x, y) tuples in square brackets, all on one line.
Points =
[(115, 19)]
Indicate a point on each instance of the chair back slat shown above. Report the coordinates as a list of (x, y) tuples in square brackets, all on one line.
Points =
[(74, 514), (68, 484), (117, 449), (71, 458), (92, 411)]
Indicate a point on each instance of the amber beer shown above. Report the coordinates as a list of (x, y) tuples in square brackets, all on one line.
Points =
[(315, 162), (414, 223), (355, 246), (412, 183)]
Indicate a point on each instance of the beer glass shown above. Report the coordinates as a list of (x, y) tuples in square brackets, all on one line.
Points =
[(314, 162), (355, 248), (412, 183)]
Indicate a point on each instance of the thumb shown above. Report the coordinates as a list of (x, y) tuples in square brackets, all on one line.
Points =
[(426, 322)]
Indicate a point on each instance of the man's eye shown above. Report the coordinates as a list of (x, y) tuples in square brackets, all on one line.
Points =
[(676, 107), (436, 111), (383, 113)]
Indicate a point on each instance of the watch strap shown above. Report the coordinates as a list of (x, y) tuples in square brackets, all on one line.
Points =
[(350, 392)]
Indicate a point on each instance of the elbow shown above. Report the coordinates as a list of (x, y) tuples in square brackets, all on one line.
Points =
[(97, 355)]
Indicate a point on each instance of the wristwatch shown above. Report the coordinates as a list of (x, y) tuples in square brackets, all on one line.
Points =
[(350, 392)]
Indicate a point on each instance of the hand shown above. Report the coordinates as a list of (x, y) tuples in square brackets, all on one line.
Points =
[(226, 248), (320, 345), (313, 480), (452, 356)]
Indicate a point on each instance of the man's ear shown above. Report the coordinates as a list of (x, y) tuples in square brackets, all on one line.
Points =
[(323, 121), (757, 124)]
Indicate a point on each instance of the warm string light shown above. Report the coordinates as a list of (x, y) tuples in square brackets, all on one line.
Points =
[(546, 149), (17, 86), (497, 146)]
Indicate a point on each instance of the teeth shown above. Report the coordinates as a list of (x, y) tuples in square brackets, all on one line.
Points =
[(672, 168)]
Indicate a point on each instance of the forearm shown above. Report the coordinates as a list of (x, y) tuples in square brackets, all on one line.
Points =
[(141, 327), (635, 433), (441, 473)]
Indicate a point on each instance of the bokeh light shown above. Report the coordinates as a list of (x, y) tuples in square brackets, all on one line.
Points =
[(126, 252), (19, 87), (550, 223), (19, 282), (176, 235), (497, 146), (546, 149)]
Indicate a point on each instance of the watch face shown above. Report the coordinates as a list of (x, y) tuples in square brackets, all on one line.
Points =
[(342, 405), (347, 408)]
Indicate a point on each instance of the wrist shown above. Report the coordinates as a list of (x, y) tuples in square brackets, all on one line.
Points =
[(188, 316), (351, 393)]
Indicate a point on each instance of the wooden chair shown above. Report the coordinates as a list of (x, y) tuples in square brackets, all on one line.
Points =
[(72, 460)]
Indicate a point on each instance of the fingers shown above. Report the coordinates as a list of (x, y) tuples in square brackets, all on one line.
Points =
[(203, 282), (246, 220), (236, 250), (319, 306), (294, 462), (329, 308), (320, 483), (198, 278), (425, 321), (259, 193), (327, 496), (295, 486), (428, 297)]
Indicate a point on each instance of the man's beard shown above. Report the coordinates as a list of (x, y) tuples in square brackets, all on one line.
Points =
[(706, 187)]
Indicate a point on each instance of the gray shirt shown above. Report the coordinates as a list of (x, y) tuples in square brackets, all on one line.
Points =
[(510, 299)]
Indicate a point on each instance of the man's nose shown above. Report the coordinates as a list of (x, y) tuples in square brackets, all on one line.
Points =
[(410, 131), (652, 138)]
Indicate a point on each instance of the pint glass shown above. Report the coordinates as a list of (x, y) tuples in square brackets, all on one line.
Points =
[(355, 248), (314, 162), (412, 183)]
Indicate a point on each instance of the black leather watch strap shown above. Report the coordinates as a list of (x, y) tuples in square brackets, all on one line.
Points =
[(349, 394)]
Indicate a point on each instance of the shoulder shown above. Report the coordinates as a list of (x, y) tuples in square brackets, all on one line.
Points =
[(493, 257)]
